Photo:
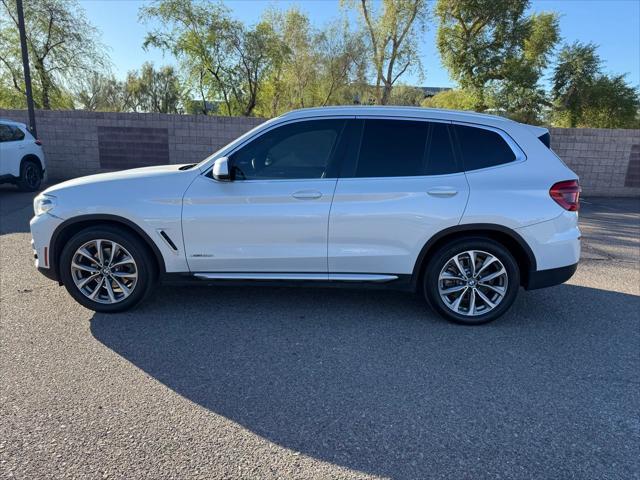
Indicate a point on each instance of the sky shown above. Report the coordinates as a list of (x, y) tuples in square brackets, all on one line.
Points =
[(614, 25)]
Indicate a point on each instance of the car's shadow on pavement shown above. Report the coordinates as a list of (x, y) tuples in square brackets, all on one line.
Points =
[(373, 381)]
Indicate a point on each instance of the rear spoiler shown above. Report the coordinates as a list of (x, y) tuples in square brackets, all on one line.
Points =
[(541, 132)]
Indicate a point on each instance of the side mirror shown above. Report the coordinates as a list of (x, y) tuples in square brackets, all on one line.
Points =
[(221, 170)]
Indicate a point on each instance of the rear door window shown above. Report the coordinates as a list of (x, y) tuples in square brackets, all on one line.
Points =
[(439, 156), (404, 148), (482, 148), (392, 148)]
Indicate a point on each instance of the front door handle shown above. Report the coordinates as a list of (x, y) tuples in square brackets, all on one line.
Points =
[(307, 195), (442, 192)]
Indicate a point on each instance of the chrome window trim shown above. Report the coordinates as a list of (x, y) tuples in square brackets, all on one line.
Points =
[(518, 153)]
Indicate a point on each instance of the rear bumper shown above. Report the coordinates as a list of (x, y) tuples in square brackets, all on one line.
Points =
[(548, 278), (49, 273)]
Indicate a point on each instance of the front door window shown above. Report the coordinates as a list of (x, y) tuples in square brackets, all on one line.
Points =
[(300, 150)]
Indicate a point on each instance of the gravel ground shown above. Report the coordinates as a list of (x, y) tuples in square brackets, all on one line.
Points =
[(323, 383)]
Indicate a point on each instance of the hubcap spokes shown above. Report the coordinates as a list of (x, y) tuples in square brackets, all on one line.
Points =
[(104, 271), (31, 176), (472, 283)]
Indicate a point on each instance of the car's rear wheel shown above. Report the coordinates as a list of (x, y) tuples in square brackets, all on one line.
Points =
[(472, 281), (30, 176), (107, 269)]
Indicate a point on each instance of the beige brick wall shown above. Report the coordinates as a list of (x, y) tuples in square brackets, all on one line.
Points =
[(70, 138), (600, 157)]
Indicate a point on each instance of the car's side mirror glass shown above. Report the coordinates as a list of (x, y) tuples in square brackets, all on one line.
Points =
[(221, 170)]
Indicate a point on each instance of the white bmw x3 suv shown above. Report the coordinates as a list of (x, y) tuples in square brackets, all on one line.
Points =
[(464, 208)]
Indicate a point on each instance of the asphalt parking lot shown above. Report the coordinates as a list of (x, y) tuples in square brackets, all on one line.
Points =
[(323, 383)]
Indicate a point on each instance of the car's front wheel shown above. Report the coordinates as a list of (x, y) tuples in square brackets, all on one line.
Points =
[(107, 269), (472, 281)]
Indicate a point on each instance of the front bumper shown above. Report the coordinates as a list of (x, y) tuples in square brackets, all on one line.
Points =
[(42, 228)]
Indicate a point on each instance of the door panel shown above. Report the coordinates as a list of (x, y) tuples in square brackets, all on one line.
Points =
[(399, 188), (257, 225), (11, 151), (379, 225), (273, 216)]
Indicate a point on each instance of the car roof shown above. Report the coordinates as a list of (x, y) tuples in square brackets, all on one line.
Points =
[(394, 111), (6, 121)]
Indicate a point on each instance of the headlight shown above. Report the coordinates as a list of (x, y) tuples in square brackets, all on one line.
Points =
[(43, 204)]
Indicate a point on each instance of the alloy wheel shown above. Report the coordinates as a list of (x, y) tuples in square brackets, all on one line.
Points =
[(31, 175), (472, 283), (104, 271)]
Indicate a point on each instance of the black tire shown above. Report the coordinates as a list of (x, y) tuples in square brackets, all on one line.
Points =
[(30, 176), (145, 263), (447, 252)]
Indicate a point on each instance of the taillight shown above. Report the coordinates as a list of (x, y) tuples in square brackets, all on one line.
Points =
[(567, 194), (38, 142)]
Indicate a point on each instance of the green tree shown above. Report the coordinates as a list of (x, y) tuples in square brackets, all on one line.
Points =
[(583, 96), (315, 67), (152, 90), (293, 80), (393, 32), (225, 61), (577, 68), (612, 104), (406, 95), (457, 99), (62, 45), (101, 93), (497, 52)]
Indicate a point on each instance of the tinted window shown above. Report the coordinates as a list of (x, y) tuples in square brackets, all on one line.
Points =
[(482, 148), (439, 155), (17, 133), (546, 139), (392, 148), (395, 148), (297, 150), (9, 133), (5, 133)]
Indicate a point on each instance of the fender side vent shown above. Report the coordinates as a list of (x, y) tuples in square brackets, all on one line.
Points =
[(167, 239)]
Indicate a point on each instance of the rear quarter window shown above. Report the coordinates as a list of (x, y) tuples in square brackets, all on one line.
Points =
[(482, 148), (6, 134), (17, 134)]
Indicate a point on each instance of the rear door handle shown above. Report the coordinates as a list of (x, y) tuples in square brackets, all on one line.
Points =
[(442, 192), (307, 195)]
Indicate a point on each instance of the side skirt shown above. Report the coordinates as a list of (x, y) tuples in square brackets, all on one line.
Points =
[(342, 280)]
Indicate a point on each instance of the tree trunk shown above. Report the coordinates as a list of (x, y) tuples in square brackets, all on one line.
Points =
[(45, 85), (386, 94)]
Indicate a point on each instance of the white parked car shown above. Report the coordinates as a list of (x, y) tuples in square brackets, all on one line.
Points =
[(21, 157), (461, 207)]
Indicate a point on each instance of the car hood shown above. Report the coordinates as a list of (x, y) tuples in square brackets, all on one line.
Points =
[(101, 178)]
